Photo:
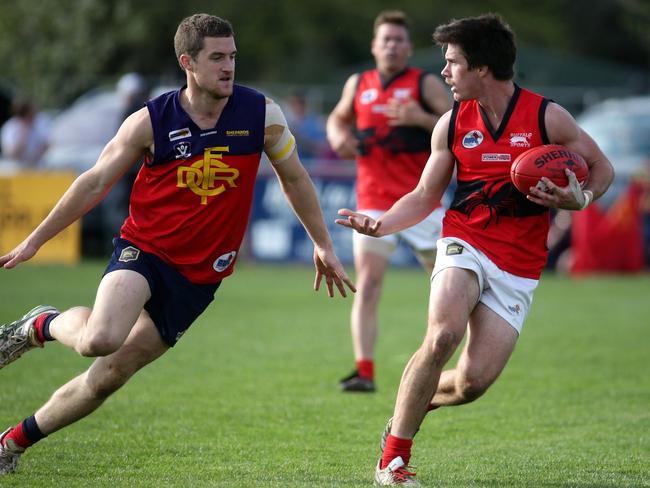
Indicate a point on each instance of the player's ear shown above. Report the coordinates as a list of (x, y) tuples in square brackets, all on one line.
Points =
[(185, 60), (483, 70)]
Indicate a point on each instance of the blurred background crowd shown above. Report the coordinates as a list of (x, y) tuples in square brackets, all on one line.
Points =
[(74, 70)]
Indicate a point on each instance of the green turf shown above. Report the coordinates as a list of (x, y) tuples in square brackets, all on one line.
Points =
[(249, 396)]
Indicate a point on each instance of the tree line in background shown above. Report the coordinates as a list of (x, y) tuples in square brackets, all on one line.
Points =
[(54, 50)]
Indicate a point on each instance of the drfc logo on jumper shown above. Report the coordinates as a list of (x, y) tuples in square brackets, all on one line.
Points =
[(209, 176)]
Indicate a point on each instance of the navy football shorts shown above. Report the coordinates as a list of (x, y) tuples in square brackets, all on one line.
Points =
[(175, 302)]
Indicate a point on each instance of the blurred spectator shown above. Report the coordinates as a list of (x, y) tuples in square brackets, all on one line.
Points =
[(25, 135), (644, 207), (133, 91), (5, 109), (609, 240), (307, 127)]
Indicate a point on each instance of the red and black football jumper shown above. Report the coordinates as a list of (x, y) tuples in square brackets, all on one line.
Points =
[(392, 158), (487, 210)]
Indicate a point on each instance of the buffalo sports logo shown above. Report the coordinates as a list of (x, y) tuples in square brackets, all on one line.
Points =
[(402, 93), (520, 139), (209, 176)]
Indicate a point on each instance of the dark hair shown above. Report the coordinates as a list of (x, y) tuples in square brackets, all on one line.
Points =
[(22, 107), (396, 17), (486, 40), (192, 30)]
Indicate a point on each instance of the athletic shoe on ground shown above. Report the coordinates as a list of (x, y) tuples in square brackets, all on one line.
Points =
[(9, 454), (395, 474), (19, 337), (355, 383)]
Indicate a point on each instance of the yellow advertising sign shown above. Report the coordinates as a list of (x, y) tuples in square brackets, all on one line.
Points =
[(25, 199)]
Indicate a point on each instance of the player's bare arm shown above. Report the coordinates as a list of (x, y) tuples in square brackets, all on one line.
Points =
[(563, 129), (416, 205), (340, 123), (132, 139), (299, 191), (410, 112)]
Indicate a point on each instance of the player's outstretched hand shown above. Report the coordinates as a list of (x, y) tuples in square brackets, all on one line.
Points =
[(20, 253), (329, 266), (359, 222), (570, 197)]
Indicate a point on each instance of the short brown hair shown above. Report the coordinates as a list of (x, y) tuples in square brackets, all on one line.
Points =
[(486, 40), (396, 17), (193, 29)]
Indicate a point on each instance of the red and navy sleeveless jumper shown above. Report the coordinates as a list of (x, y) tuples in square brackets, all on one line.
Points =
[(191, 200)]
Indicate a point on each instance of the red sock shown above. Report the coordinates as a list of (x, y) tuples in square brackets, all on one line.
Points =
[(396, 447), (38, 326), (18, 436), (366, 368)]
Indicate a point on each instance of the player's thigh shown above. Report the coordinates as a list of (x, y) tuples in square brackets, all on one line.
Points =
[(490, 343), (370, 266), (454, 294), (119, 302), (142, 346)]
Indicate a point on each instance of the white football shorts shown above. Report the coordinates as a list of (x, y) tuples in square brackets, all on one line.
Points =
[(423, 236), (508, 295)]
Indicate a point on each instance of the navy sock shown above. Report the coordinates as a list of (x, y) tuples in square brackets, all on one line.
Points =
[(31, 430), (46, 326)]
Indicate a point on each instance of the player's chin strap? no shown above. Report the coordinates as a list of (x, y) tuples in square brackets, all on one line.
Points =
[(583, 197)]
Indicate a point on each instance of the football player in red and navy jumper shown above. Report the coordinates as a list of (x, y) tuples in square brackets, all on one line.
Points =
[(493, 244), (189, 209), (384, 119)]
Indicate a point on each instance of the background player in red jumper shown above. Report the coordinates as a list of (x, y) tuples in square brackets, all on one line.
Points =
[(492, 252), (189, 209), (395, 108)]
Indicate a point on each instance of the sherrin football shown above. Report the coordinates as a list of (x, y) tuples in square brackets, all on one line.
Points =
[(550, 161)]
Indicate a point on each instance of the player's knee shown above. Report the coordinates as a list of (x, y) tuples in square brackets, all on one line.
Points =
[(471, 388), (368, 290), (441, 344), (98, 345), (108, 382)]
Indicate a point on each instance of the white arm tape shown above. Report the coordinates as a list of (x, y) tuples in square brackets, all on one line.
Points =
[(589, 197), (286, 144)]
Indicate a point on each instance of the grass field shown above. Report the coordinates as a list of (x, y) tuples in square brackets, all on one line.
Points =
[(249, 396)]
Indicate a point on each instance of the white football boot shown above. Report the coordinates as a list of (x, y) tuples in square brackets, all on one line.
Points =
[(19, 337), (395, 474), (9, 455)]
